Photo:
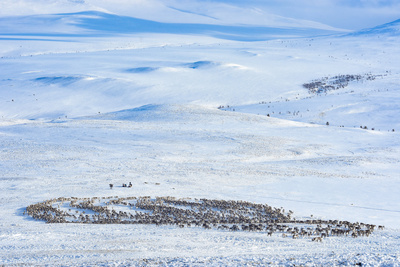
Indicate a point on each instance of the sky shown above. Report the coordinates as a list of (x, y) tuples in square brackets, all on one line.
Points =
[(345, 14)]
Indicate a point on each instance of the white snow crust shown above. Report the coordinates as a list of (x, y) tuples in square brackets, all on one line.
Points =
[(216, 111)]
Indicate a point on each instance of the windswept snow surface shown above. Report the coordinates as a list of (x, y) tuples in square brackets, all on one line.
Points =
[(328, 172), (185, 115)]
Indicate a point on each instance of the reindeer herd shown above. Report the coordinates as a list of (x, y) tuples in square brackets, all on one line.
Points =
[(218, 214), (326, 84)]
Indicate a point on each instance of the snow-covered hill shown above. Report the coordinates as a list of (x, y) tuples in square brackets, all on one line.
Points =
[(91, 23), (386, 30), (195, 101)]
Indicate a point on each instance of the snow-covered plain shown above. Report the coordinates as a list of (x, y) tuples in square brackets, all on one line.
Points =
[(85, 102)]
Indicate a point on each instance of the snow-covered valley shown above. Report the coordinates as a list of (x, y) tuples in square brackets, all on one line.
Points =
[(198, 110)]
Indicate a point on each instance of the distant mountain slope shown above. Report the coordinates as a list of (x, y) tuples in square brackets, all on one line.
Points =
[(391, 28), (94, 23), (166, 11)]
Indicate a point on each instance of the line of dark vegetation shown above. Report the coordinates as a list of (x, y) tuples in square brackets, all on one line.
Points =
[(219, 214)]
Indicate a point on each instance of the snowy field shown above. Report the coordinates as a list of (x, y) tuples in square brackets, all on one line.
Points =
[(198, 110)]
